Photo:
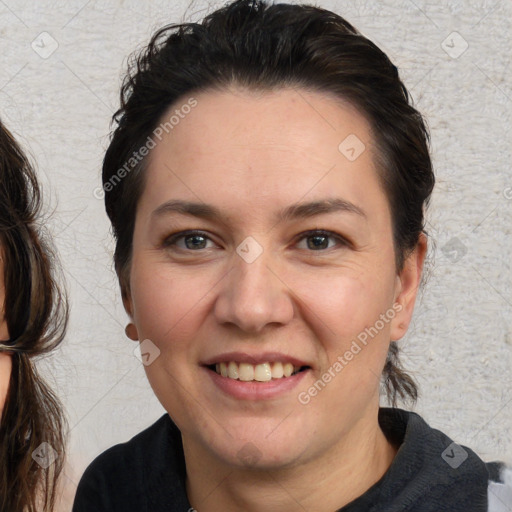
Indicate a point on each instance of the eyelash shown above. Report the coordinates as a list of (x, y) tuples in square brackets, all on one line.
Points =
[(171, 240)]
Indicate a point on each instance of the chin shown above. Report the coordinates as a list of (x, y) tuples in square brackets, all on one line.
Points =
[(256, 457), (262, 448)]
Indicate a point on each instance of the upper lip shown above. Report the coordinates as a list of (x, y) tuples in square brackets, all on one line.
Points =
[(244, 357)]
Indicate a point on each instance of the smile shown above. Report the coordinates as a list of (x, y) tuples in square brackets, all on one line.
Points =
[(262, 372)]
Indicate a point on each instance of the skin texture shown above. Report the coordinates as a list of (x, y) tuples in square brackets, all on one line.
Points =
[(5, 359), (252, 154)]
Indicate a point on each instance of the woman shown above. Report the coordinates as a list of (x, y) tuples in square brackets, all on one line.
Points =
[(266, 185), (33, 319)]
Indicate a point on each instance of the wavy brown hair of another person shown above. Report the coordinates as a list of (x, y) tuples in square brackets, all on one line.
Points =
[(36, 312)]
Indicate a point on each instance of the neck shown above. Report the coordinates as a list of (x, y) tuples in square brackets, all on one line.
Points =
[(324, 483)]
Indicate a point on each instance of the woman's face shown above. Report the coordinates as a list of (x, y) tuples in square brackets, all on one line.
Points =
[(5, 359), (254, 287)]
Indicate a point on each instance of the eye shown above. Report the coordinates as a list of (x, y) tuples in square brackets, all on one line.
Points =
[(197, 240), (320, 239), (194, 240)]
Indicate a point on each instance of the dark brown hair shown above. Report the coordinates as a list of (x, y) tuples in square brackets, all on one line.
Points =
[(252, 44), (36, 313)]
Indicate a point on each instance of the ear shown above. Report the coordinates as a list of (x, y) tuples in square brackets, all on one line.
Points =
[(408, 282), (127, 301), (131, 329)]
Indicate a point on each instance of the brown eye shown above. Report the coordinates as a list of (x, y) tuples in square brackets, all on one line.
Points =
[(318, 240), (193, 240)]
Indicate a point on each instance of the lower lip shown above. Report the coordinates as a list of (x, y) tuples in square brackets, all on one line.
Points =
[(254, 390)]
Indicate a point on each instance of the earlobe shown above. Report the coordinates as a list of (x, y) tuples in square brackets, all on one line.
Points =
[(408, 282), (131, 332)]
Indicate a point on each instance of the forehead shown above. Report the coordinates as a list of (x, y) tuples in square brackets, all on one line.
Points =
[(247, 147)]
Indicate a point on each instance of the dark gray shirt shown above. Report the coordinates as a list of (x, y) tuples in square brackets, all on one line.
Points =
[(430, 473)]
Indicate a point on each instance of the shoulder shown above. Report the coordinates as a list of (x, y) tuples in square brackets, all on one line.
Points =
[(131, 454), (500, 487), (119, 477), (437, 466)]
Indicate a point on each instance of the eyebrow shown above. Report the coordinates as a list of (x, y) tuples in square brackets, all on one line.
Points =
[(294, 211)]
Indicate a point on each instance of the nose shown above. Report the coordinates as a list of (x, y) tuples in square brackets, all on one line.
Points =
[(252, 295)]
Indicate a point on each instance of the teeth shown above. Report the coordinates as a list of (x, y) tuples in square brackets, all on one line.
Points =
[(233, 370), (287, 369), (263, 372), (277, 370), (245, 371)]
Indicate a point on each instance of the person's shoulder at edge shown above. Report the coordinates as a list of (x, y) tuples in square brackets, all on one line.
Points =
[(118, 471), (499, 473), (499, 490), (500, 486)]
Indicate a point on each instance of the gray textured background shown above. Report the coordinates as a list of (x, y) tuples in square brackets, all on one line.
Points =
[(57, 94)]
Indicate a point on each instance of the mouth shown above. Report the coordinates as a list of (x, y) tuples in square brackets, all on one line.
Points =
[(256, 377), (262, 372)]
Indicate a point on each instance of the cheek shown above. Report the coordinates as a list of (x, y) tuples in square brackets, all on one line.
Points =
[(345, 311), (5, 375), (165, 304), (163, 311), (345, 301), (4, 332)]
